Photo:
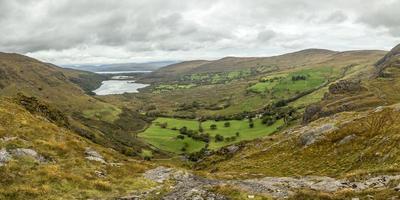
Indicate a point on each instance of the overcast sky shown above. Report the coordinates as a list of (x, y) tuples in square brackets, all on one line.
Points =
[(105, 31)]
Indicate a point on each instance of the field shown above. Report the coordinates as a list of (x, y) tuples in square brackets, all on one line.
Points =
[(288, 84), (166, 138), (214, 78)]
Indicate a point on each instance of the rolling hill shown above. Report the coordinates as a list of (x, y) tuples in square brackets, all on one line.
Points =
[(308, 57)]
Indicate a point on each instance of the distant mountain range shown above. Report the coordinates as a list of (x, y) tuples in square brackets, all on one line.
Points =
[(149, 66)]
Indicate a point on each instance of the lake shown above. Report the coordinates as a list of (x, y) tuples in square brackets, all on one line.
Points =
[(118, 87)]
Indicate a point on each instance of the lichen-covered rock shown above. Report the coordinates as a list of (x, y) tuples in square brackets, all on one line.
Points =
[(94, 156), (159, 174), (310, 112), (4, 157), (347, 139), (311, 136), (21, 152)]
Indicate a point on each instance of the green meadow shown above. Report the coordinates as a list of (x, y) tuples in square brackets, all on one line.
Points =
[(166, 138), (282, 85)]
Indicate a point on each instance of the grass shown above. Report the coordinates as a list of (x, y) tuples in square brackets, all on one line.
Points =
[(166, 138), (103, 112), (67, 174), (282, 86), (169, 87), (309, 99), (220, 77)]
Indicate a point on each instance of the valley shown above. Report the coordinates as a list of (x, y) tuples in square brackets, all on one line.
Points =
[(234, 130)]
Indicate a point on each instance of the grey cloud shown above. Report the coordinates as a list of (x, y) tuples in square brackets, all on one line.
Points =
[(386, 14), (57, 30)]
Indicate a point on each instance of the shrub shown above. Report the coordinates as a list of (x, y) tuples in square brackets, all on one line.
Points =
[(219, 138), (251, 124), (213, 126), (183, 130), (181, 137), (227, 124), (164, 125), (237, 134)]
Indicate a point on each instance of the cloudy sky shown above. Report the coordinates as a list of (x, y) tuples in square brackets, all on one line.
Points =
[(104, 31)]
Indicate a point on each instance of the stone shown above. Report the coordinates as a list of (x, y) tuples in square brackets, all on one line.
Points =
[(313, 134), (345, 86), (22, 152), (94, 156), (347, 139), (4, 157), (159, 174)]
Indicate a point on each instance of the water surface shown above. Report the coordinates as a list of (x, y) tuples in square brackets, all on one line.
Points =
[(118, 87)]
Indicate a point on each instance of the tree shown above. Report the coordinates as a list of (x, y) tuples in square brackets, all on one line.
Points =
[(183, 130), (213, 127), (237, 134), (219, 138), (181, 137), (251, 124), (227, 124)]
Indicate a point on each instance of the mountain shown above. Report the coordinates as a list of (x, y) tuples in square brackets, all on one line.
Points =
[(308, 57), (42, 160), (41, 84), (149, 66)]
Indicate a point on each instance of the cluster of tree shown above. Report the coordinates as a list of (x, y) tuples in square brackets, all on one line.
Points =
[(298, 77), (268, 120), (220, 138), (205, 137), (189, 106)]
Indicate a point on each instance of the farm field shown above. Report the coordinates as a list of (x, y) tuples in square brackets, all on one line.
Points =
[(285, 85), (166, 138)]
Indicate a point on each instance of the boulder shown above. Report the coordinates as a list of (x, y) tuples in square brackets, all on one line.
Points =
[(4, 157), (314, 134), (347, 139), (94, 156), (310, 112), (21, 152)]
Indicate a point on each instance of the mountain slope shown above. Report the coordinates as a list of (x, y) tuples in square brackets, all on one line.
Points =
[(357, 139), (309, 57), (64, 89), (41, 160)]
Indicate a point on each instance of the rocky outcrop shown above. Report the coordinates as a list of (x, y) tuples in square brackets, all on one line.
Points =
[(390, 59), (94, 156), (189, 186), (7, 155), (20, 152), (310, 112), (345, 86), (313, 135)]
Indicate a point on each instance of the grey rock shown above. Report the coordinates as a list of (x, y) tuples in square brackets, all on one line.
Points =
[(314, 134), (4, 157), (7, 139), (159, 174), (94, 156), (347, 139), (21, 152)]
